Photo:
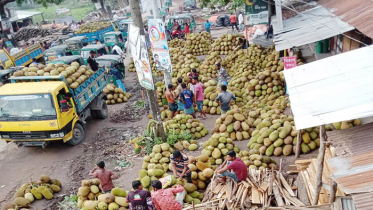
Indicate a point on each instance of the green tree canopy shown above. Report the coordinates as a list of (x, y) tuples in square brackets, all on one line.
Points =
[(19, 2), (235, 3)]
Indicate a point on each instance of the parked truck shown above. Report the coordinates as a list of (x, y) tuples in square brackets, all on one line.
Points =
[(34, 110), (22, 58)]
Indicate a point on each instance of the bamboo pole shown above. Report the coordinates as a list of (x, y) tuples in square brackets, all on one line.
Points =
[(333, 192), (319, 166), (299, 142)]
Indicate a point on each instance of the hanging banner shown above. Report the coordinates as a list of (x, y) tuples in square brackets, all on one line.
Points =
[(140, 56), (256, 12), (158, 42)]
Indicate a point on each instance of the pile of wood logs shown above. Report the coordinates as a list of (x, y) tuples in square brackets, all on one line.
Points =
[(262, 189), (29, 32)]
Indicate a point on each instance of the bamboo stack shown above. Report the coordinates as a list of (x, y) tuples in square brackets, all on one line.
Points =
[(262, 189)]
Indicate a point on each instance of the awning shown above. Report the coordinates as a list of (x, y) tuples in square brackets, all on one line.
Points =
[(21, 14), (333, 89), (310, 26)]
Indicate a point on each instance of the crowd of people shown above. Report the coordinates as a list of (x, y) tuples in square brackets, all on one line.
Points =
[(188, 97), (163, 198), (236, 23)]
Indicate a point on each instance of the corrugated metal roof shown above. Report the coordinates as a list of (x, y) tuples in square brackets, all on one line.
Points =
[(363, 201), (352, 141), (333, 89), (348, 203), (353, 174), (357, 13), (310, 26)]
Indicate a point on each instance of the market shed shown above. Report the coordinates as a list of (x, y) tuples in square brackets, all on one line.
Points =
[(334, 89), (308, 27)]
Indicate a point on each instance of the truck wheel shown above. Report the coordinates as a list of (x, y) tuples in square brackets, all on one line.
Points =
[(78, 135), (103, 112)]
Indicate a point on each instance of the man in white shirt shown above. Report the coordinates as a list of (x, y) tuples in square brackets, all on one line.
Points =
[(240, 21), (115, 17), (73, 26), (117, 50)]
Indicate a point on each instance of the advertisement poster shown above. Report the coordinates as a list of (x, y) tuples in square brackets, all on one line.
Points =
[(140, 57), (158, 42), (256, 12)]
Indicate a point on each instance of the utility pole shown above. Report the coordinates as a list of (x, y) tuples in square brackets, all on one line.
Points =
[(166, 73), (151, 94)]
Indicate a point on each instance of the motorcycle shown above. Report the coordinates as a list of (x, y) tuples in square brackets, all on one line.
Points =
[(178, 34)]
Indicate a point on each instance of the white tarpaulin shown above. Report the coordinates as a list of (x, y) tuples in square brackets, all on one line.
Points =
[(333, 89), (147, 5)]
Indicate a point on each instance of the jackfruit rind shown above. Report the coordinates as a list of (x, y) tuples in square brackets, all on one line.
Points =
[(190, 187), (35, 192), (83, 191), (45, 179)]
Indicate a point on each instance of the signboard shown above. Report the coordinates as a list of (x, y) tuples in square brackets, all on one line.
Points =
[(158, 42), (290, 62), (5, 24), (139, 53), (9, 44), (256, 12)]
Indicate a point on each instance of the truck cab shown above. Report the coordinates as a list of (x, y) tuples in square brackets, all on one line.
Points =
[(69, 59), (55, 52), (35, 110), (112, 38), (21, 58), (100, 49), (76, 44)]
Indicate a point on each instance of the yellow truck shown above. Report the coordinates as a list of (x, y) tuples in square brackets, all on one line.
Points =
[(22, 58), (34, 110)]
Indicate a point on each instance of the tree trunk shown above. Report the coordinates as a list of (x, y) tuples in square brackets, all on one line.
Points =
[(151, 94)]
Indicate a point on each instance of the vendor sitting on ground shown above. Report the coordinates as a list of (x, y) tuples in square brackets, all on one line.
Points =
[(233, 167), (180, 166)]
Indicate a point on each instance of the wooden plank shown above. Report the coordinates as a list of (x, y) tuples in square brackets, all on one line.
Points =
[(255, 195), (217, 189), (278, 197), (286, 185), (293, 200)]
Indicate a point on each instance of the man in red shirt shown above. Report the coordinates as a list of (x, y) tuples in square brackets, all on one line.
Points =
[(233, 21), (105, 176), (234, 164)]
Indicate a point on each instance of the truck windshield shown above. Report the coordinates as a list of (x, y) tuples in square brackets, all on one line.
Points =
[(110, 39), (85, 53), (27, 107), (3, 58)]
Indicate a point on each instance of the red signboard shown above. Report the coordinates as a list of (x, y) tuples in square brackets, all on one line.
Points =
[(290, 62)]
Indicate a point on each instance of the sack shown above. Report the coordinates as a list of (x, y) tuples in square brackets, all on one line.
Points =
[(166, 181)]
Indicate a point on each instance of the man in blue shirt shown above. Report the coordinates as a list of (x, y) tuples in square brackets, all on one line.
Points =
[(188, 99), (207, 26)]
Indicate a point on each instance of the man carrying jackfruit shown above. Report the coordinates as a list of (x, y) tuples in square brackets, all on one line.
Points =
[(233, 167), (180, 166)]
